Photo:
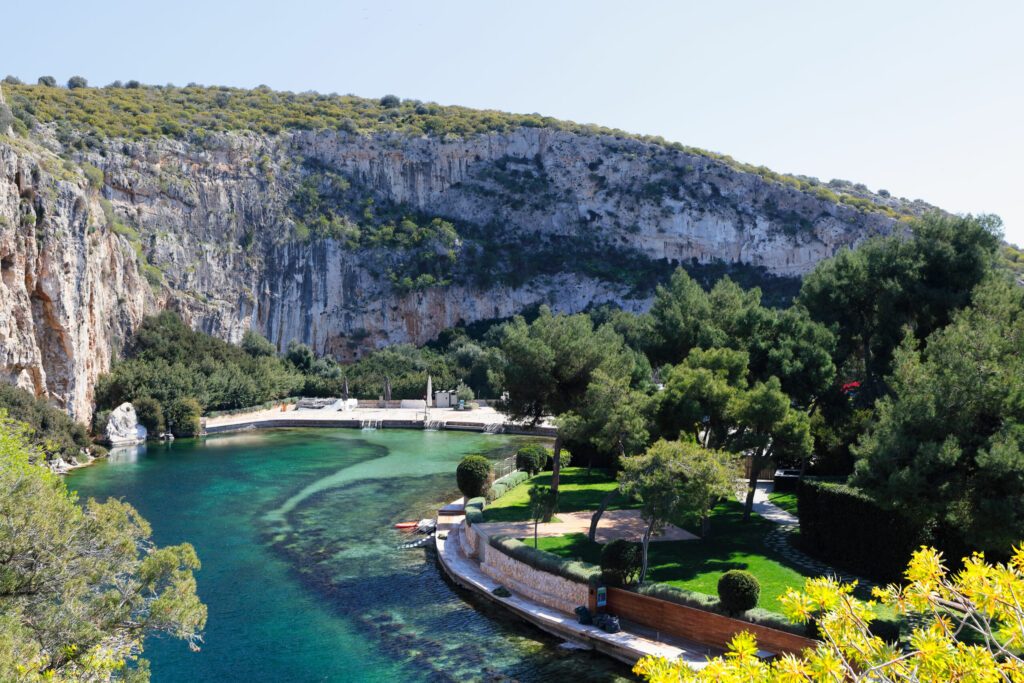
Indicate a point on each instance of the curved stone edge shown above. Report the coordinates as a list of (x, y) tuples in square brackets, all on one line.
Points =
[(623, 646)]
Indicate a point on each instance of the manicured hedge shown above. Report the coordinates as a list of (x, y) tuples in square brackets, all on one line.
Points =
[(573, 570), (502, 486), (710, 603), (846, 528), (474, 510)]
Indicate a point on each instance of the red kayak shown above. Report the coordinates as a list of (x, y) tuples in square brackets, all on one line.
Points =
[(407, 525)]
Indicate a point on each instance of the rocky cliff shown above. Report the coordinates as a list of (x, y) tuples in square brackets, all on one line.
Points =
[(94, 236)]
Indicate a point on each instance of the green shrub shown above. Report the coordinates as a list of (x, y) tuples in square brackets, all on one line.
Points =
[(473, 475), (620, 562), (464, 393), (182, 416), (843, 526), (564, 458), (738, 591), (49, 81), (505, 484), (541, 560), (99, 422), (477, 502), (150, 414), (77, 82), (532, 458), (93, 175), (52, 429)]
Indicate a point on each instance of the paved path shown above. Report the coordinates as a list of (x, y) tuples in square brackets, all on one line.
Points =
[(767, 509), (625, 646), (614, 524)]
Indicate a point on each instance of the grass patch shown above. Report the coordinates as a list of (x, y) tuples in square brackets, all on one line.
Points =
[(577, 491), (697, 565), (785, 500)]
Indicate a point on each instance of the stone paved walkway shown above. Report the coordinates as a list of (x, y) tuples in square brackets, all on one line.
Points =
[(614, 524)]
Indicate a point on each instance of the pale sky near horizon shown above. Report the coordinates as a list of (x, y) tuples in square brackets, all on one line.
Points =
[(924, 98)]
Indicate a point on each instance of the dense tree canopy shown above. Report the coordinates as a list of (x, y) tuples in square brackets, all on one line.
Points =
[(81, 586), (869, 294), (948, 445)]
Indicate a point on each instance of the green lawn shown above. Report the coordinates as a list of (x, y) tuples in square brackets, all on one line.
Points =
[(576, 491), (785, 500), (697, 565)]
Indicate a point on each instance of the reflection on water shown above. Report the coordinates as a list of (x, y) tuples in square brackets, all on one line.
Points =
[(126, 454), (301, 572)]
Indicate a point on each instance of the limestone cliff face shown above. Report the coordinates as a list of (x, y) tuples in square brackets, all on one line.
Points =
[(92, 241)]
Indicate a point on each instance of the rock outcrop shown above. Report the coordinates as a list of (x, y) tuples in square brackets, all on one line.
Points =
[(123, 428), (91, 241)]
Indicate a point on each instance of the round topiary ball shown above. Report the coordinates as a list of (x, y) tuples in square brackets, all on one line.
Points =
[(620, 562), (473, 476), (531, 458), (738, 591)]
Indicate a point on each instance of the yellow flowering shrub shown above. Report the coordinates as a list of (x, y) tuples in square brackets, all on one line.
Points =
[(969, 626)]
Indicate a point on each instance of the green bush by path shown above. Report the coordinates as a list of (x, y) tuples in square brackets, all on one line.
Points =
[(577, 491)]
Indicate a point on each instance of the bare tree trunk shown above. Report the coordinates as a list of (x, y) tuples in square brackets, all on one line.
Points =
[(646, 544), (596, 517), (535, 520), (705, 526), (556, 465), (755, 467)]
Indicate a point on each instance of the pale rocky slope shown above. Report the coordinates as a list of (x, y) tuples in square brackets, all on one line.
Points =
[(212, 224)]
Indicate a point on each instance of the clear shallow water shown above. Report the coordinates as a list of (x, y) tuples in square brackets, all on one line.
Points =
[(300, 571)]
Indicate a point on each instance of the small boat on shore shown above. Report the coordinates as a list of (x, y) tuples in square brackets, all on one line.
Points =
[(423, 526)]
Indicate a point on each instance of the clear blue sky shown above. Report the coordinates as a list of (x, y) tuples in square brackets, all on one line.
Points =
[(925, 99)]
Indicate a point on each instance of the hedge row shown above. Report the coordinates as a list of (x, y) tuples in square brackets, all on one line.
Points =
[(502, 486), (710, 603), (844, 527), (572, 570), (474, 511)]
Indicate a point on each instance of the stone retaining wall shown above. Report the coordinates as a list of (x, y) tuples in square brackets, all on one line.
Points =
[(547, 589)]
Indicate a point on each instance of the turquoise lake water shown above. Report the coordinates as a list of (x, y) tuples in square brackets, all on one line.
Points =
[(301, 573)]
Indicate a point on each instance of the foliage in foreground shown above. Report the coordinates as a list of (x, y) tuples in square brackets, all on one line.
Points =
[(80, 587), (970, 628)]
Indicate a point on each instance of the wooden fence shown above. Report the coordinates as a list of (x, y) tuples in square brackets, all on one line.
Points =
[(695, 624)]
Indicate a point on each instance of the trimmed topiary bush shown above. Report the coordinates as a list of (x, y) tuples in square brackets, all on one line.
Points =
[(473, 476), (738, 591), (532, 458), (620, 562)]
